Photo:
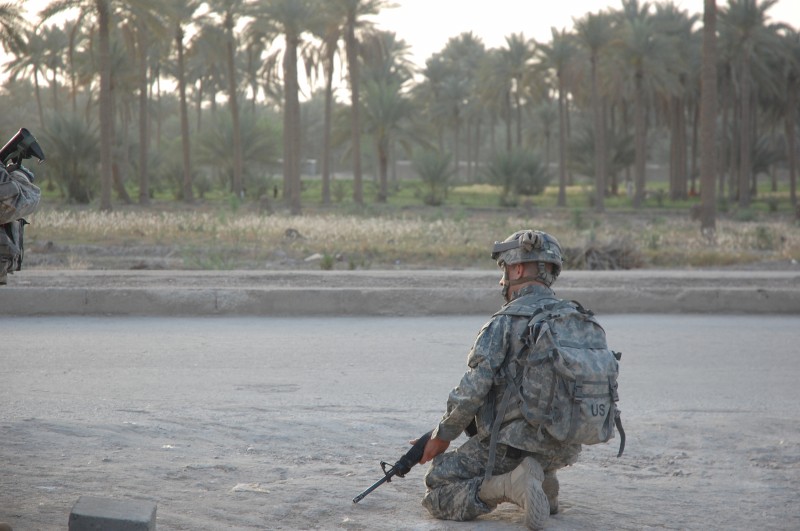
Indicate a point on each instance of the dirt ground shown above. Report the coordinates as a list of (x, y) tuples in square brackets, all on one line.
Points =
[(277, 423)]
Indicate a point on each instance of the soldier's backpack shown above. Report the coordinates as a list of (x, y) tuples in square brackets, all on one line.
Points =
[(565, 378)]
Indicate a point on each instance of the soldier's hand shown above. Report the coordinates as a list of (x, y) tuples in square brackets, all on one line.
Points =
[(432, 449)]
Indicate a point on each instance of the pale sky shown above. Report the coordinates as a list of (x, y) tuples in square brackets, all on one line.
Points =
[(426, 25)]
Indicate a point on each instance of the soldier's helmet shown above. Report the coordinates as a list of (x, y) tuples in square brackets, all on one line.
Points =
[(529, 246)]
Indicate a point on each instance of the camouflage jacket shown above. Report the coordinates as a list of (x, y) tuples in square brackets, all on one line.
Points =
[(19, 197), (481, 388)]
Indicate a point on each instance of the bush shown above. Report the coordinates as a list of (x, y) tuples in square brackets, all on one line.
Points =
[(517, 172), (434, 169)]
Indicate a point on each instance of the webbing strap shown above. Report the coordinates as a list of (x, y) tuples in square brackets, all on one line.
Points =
[(618, 423), (498, 420), (577, 398)]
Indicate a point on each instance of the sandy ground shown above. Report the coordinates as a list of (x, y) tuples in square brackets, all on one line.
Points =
[(277, 423)]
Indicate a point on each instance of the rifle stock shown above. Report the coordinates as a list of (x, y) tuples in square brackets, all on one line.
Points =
[(401, 467)]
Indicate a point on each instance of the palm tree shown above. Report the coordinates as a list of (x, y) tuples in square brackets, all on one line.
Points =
[(450, 89), (183, 11), (751, 39), (557, 56), (708, 119), (429, 94), (594, 33), (54, 41), (492, 89), (229, 12), (288, 18), (644, 55), (105, 105), (28, 60), (76, 35), (462, 57), (103, 11), (677, 26), (387, 110), (205, 58), (12, 26), (355, 13), (792, 72), (147, 27), (327, 27), (517, 57)]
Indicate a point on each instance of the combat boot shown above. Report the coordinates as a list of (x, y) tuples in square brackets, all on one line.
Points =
[(550, 488), (523, 487)]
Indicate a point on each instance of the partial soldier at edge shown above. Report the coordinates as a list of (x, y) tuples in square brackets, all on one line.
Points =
[(19, 198)]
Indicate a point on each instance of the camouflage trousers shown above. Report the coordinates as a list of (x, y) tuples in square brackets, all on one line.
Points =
[(454, 478)]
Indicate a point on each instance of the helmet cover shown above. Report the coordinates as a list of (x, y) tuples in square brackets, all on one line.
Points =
[(530, 246)]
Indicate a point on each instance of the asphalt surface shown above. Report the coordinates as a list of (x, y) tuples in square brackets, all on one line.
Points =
[(254, 423), (385, 292)]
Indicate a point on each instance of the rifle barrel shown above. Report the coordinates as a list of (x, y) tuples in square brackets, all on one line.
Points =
[(374, 486)]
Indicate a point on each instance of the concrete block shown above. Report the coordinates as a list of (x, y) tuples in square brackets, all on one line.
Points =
[(102, 514)]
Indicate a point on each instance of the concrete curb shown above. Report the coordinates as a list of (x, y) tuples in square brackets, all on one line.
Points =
[(383, 293)]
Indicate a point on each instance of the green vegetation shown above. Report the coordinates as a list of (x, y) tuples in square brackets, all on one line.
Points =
[(401, 234), (208, 129)]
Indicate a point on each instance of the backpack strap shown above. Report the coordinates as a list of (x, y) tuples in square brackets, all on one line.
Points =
[(618, 423), (495, 433)]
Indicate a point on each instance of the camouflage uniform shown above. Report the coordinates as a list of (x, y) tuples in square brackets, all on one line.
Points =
[(19, 197), (454, 478)]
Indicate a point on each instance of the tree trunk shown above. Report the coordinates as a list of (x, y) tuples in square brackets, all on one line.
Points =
[(383, 167), (456, 152), (507, 109), (118, 179), (37, 93), (518, 109), (291, 165), (679, 166), (233, 102), (106, 117), (708, 120), (599, 142), (562, 146), (351, 46), (791, 139), (326, 133), (695, 140), (745, 142), (188, 189), (144, 104), (641, 143)]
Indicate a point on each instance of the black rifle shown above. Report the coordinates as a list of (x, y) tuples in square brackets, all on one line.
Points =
[(401, 467), (22, 146)]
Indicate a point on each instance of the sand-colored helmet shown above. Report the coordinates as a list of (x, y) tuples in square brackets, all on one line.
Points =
[(530, 246)]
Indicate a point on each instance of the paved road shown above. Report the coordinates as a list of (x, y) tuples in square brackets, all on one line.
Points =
[(254, 423)]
